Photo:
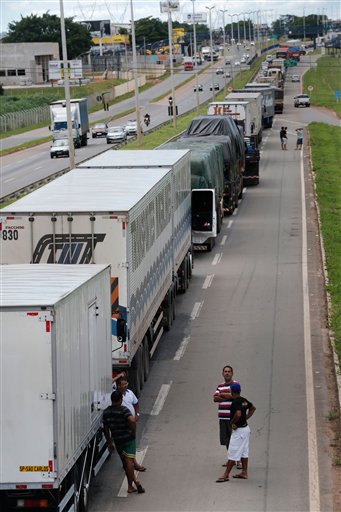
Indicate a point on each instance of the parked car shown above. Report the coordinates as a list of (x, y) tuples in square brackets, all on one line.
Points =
[(216, 87), (219, 71), (60, 147), (99, 130), (116, 134), (295, 78), (200, 88), (302, 100), (131, 128)]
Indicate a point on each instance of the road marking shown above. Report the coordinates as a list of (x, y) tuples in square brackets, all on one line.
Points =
[(208, 281), (229, 224), (314, 489), (217, 258), (181, 350), (9, 179), (235, 211), (37, 168), (161, 398), (140, 455), (223, 240), (196, 310)]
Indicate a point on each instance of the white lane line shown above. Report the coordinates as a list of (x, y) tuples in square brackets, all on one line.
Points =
[(314, 486), (37, 168), (208, 281), (8, 180), (229, 224), (181, 350), (161, 398), (140, 455), (223, 240), (196, 310), (217, 258)]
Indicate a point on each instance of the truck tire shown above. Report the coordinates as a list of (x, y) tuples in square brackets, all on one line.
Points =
[(135, 373), (84, 490)]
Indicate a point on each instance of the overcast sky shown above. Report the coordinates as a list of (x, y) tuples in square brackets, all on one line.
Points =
[(119, 11)]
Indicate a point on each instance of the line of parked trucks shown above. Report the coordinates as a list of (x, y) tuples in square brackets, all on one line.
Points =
[(91, 266)]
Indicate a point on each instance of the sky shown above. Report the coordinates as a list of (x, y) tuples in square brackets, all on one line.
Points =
[(118, 11)]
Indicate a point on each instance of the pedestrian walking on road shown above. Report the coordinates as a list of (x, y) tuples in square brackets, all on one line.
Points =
[(284, 137), (241, 411), (130, 401), (120, 428), (299, 141), (223, 397)]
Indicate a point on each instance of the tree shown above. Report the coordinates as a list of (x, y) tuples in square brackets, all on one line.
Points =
[(153, 29), (46, 29)]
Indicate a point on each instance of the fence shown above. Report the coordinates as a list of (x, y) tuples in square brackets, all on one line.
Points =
[(24, 118)]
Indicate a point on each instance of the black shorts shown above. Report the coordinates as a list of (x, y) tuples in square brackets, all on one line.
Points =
[(225, 432)]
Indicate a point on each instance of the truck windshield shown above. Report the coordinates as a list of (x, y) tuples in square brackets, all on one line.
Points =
[(62, 125)]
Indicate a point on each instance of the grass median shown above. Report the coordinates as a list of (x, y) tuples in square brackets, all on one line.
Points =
[(325, 79), (326, 161)]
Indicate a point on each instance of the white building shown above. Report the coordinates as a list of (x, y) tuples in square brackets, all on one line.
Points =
[(26, 63)]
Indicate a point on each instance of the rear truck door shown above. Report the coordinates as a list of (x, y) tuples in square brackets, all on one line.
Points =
[(27, 398), (204, 215)]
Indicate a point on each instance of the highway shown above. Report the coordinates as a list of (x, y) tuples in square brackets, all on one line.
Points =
[(254, 303), (21, 169)]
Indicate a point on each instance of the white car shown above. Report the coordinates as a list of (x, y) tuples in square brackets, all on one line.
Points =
[(243, 60), (295, 78), (252, 43), (301, 100), (237, 63), (219, 71), (116, 134), (60, 147), (228, 74), (131, 128)]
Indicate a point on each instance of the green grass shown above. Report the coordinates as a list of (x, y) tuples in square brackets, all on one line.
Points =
[(325, 143), (325, 79)]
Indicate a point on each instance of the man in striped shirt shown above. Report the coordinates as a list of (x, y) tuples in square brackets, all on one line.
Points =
[(223, 397)]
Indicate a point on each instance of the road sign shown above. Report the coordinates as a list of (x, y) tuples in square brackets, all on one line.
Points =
[(310, 88), (337, 94), (230, 89)]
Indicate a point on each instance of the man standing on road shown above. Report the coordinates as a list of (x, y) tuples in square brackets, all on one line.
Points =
[(130, 401), (241, 411), (120, 428), (299, 141), (223, 397)]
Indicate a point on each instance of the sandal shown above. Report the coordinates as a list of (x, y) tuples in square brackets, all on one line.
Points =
[(222, 479)]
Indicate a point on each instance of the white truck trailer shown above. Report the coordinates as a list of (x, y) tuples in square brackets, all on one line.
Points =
[(136, 220), (244, 113), (79, 119), (55, 378)]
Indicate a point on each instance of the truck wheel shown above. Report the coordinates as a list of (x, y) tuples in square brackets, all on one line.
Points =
[(168, 312), (84, 491), (135, 373)]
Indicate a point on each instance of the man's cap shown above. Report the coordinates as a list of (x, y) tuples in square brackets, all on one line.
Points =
[(235, 387)]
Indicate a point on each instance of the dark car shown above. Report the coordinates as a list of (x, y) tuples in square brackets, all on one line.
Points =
[(200, 88), (99, 130), (216, 87)]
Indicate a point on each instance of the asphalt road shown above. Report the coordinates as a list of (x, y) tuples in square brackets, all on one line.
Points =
[(249, 305)]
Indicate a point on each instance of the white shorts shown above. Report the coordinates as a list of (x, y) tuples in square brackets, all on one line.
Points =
[(239, 444)]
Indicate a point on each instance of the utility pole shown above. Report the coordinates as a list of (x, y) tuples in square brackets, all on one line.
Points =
[(211, 43), (67, 89), (170, 39), (195, 58), (137, 105), (224, 45)]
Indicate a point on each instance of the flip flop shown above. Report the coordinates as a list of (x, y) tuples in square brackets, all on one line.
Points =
[(142, 469), (240, 477), (134, 490), (140, 489), (221, 480)]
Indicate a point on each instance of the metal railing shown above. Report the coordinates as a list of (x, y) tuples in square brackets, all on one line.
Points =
[(23, 118)]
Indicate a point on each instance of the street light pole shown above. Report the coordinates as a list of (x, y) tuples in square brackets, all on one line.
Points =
[(211, 43), (170, 38), (137, 106), (238, 29), (195, 58), (67, 89), (224, 45)]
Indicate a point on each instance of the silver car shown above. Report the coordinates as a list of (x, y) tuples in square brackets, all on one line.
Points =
[(131, 128), (116, 134), (60, 147)]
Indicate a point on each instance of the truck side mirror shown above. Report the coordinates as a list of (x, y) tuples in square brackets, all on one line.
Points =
[(121, 330)]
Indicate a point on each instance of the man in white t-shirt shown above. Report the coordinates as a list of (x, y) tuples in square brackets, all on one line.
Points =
[(130, 401)]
